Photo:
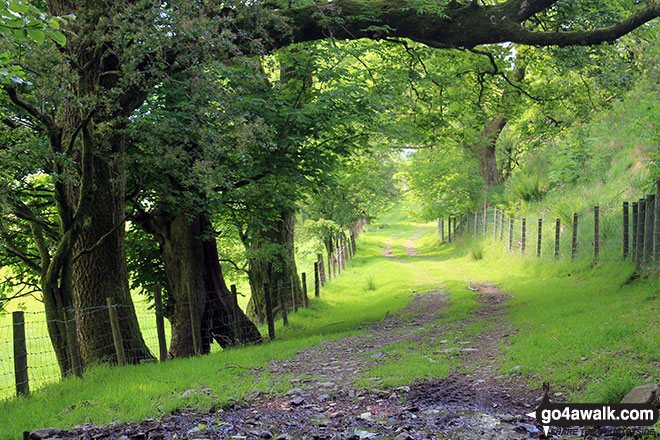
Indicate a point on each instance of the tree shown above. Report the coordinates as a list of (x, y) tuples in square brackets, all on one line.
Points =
[(190, 148), (115, 54), (315, 118)]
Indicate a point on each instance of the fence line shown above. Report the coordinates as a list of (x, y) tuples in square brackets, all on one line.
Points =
[(29, 361), (599, 230)]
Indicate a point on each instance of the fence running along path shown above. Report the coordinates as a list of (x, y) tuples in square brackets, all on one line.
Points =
[(28, 361), (627, 230)]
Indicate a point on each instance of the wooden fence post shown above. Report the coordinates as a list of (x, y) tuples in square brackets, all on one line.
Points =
[(321, 269), (635, 219), (574, 242), (476, 222), (317, 281), (269, 310), (293, 294), (20, 354), (648, 231), (449, 229), (467, 221), (641, 220), (538, 241), (557, 232), (656, 247), (72, 342), (282, 301), (116, 331), (502, 226), (523, 235), (495, 224), (235, 320), (160, 323), (196, 328), (304, 287), (345, 252), (510, 234), (596, 233), (626, 232), (485, 220)]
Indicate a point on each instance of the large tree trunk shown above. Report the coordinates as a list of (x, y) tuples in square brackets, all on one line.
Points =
[(86, 137), (194, 278), (485, 150), (99, 270), (268, 264)]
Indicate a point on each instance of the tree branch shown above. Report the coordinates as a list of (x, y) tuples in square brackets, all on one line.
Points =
[(587, 38), (24, 258), (227, 260), (462, 27), (22, 211), (103, 237), (44, 118)]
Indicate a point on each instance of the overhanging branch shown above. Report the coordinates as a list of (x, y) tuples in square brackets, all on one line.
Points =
[(591, 37), (462, 27)]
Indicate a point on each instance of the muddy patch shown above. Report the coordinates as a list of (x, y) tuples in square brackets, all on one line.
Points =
[(387, 252), (341, 360)]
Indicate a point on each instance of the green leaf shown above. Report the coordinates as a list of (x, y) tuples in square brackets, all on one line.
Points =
[(20, 34), (58, 37), (37, 35), (54, 23), (17, 7)]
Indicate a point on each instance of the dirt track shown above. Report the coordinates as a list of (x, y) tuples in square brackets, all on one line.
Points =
[(473, 402)]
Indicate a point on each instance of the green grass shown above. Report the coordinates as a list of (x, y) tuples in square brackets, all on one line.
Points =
[(588, 329), (153, 390), (582, 326)]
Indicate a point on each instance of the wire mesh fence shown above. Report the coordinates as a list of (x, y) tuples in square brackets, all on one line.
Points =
[(42, 362), (610, 232), (39, 348)]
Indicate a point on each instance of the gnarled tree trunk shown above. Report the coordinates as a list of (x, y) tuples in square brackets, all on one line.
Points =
[(101, 273), (485, 151), (271, 260), (194, 279)]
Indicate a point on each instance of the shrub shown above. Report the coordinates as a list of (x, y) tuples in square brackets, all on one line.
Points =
[(527, 187)]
